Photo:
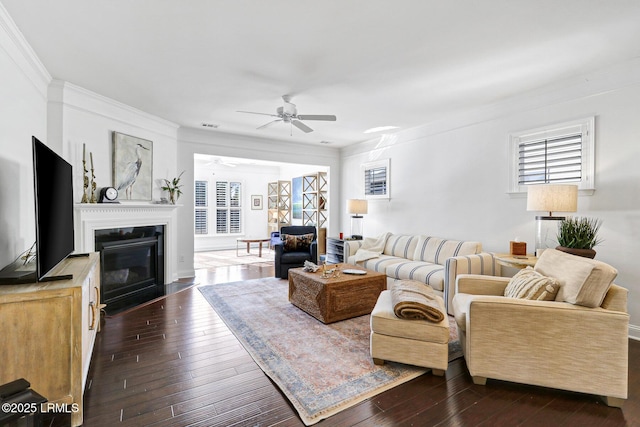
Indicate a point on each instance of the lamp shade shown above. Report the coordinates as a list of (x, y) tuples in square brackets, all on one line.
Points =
[(552, 198), (357, 206)]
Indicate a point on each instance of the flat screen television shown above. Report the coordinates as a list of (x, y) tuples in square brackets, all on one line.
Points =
[(53, 190)]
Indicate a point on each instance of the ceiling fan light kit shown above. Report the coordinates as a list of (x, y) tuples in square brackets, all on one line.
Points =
[(288, 113)]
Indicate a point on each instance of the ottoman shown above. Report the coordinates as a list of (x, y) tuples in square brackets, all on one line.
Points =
[(414, 342)]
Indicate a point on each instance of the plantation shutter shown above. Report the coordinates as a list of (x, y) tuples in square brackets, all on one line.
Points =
[(375, 181), (234, 224), (202, 226), (235, 196), (221, 194), (201, 212), (201, 193), (550, 160)]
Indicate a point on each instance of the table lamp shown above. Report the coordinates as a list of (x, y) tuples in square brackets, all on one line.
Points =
[(357, 207), (550, 198)]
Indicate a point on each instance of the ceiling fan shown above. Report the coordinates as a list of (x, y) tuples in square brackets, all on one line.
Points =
[(289, 114)]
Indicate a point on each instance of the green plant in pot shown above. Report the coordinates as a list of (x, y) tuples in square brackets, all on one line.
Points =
[(173, 187), (578, 236)]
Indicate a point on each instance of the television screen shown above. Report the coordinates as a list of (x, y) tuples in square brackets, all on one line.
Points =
[(53, 186)]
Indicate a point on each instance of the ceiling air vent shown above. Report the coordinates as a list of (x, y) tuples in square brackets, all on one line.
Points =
[(209, 125)]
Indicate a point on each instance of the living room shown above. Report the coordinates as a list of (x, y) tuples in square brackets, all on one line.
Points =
[(449, 175)]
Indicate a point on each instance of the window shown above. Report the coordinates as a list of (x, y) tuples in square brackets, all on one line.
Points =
[(227, 212), (228, 207), (561, 153), (376, 179), (201, 207)]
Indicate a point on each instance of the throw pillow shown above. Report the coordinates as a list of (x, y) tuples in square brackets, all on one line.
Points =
[(296, 243), (529, 284), (583, 281)]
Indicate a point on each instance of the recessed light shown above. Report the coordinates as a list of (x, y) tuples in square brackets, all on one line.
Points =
[(380, 129), (209, 125)]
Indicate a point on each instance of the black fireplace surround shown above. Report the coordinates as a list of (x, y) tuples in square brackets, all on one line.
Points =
[(132, 265)]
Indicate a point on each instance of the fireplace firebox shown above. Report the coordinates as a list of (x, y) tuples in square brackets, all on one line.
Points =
[(132, 265)]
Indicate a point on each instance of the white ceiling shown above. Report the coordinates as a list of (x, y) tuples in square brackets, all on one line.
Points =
[(369, 62)]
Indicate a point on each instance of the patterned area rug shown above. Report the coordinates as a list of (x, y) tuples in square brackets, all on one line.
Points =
[(322, 369)]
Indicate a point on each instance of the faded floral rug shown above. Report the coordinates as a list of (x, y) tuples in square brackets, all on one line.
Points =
[(322, 369)]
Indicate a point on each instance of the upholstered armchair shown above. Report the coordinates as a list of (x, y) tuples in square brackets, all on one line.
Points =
[(576, 341), (298, 244)]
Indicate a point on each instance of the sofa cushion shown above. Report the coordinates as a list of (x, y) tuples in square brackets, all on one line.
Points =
[(293, 242), (437, 250), (295, 257), (378, 264), (425, 272), (399, 245), (582, 281), (529, 284)]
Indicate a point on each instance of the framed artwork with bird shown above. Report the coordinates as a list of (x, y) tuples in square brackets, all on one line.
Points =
[(132, 167)]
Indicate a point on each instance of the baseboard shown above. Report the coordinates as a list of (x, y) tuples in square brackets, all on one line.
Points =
[(634, 332)]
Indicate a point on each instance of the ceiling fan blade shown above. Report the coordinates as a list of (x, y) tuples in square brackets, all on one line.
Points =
[(301, 126), (328, 118), (262, 114), (269, 124)]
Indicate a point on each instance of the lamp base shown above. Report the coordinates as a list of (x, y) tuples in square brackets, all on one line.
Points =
[(356, 227), (547, 232)]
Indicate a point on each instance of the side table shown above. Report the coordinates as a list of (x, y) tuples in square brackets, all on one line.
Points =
[(516, 261)]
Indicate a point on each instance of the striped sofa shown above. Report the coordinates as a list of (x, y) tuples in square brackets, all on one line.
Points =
[(431, 260)]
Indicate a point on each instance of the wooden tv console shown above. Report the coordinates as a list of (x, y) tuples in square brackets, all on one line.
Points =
[(47, 332)]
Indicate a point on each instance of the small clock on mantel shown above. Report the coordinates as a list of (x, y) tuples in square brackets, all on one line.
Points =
[(108, 195)]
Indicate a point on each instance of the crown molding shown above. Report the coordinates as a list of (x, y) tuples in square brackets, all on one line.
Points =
[(22, 54), (73, 96)]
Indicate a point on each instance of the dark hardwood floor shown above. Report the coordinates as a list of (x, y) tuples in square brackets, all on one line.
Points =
[(173, 362)]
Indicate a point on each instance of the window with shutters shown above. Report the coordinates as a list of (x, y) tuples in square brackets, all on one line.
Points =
[(376, 179), (562, 153), (201, 207), (228, 207), (225, 213)]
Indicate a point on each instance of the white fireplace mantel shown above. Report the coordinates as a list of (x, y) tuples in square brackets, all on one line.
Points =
[(89, 217)]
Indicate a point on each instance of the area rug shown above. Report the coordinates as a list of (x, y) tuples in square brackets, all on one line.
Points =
[(322, 369)]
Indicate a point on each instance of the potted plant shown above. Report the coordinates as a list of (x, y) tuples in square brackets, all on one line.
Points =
[(173, 187), (579, 235)]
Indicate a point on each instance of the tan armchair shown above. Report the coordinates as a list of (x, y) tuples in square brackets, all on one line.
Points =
[(553, 344)]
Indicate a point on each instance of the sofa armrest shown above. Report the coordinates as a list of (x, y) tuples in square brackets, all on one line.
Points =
[(477, 284), (351, 247), (548, 343), (482, 263)]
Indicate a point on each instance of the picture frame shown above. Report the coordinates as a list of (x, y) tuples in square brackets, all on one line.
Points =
[(132, 170), (256, 202)]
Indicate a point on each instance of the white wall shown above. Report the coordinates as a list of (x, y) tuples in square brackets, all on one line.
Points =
[(195, 141), (23, 113), (450, 179), (78, 116)]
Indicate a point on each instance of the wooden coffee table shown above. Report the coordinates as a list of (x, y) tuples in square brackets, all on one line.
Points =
[(336, 298), (249, 241)]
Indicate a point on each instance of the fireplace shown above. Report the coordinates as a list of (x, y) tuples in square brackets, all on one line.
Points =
[(104, 219), (132, 265)]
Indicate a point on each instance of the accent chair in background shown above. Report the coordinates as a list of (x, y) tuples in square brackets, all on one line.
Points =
[(298, 244)]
